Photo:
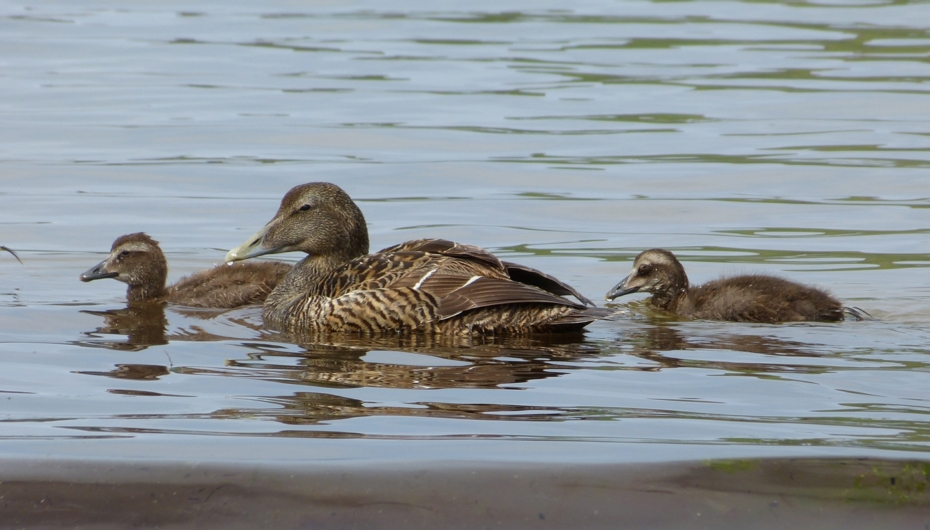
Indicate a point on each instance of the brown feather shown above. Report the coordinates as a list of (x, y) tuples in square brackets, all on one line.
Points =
[(524, 274), (487, 292)]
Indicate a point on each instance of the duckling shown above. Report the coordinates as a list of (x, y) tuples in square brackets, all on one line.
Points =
[(426, 285), (746, 298), (137, 260)]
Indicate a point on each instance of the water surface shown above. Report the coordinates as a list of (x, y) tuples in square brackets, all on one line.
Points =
[(781, 137)]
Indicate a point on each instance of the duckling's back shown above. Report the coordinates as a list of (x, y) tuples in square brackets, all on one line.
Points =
[(226, 286), (760, 298)]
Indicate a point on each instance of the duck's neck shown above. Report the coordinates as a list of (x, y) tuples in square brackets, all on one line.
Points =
[(671, 297), (669, 300), (146, 292), (304, 280)]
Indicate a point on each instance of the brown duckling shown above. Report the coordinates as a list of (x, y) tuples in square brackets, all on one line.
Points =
[(427, 285), (745, 298), (137, 260)]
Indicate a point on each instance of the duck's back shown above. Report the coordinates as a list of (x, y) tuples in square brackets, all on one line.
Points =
[(429, 286), (227, 286), (759, 298)]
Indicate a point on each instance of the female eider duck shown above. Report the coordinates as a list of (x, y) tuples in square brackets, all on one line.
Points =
[(427, 285), (137, 260), (746, 298)]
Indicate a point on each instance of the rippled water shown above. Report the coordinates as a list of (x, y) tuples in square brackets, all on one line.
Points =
[(783, 137)]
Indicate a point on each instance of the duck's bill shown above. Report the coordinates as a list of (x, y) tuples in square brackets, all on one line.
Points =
[(251, 248), (97, 272), (620, 289)]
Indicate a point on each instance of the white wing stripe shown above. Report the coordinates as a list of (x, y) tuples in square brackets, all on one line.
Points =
[(423, 279)]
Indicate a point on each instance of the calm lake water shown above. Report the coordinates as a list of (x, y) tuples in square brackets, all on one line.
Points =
[(755, 136)]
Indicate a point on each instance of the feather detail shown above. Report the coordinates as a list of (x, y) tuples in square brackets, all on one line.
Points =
[(486, 292), (524, 274)]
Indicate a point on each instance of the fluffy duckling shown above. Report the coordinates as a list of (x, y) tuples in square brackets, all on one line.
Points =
[(746, 298), (427, 285), (137, 260)]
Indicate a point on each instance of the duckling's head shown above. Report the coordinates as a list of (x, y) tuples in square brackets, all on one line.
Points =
[(316, 218), (655, 271), (134, 259)]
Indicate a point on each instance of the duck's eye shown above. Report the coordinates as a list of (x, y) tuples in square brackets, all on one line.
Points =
[(645, 269), (124, 253), (305, 207)]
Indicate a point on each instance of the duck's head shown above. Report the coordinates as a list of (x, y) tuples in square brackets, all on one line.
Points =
[(654, 271), (318, 219), (134, 259)]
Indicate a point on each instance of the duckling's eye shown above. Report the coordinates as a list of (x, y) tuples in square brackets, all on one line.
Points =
[(645, 269), (305, 207)]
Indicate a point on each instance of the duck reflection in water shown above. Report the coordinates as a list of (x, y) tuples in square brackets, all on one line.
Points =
[(358, 363), (311, 408), (382, 363)]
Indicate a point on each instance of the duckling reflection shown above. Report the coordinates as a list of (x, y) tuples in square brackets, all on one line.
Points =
[(746, 298), (655, 343), (137, 260), (494, 365), (143, 325), (136, 372), (309, 408)]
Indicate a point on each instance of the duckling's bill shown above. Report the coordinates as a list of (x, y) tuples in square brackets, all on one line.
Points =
[(98, 272), (620, 289)]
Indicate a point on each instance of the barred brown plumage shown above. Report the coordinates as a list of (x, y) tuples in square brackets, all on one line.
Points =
[(426, 285), (137, 260)]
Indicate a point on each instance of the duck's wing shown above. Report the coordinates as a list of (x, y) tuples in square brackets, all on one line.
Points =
[(373, 272), (528, 275), (450, 277), (464, 294), (444, 247), (405, 264), (516, 272)]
